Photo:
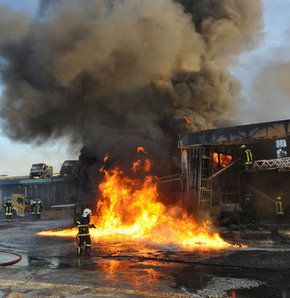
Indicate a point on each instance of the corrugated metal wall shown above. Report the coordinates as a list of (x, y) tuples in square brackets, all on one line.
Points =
[(49, 191)]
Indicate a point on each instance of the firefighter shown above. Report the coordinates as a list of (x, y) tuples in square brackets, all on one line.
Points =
[(39, 209), (279, 215), (8, 210), (279, 209), (83, 224), (33, 210), (247, 158)]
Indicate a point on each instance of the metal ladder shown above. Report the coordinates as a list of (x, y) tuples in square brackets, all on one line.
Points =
[(205, 183)]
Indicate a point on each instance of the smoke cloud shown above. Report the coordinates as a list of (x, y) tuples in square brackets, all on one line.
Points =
[(117, 74), (270, 91)]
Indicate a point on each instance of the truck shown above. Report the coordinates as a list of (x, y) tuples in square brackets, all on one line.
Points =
[(238, 213), (41, 170), (69, 168), (21, 205)]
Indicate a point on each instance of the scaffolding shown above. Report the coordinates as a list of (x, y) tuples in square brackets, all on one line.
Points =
[(205, 188), (282, 164)]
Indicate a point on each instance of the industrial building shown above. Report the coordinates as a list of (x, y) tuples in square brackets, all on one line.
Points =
[(51, 191), (213, 178)]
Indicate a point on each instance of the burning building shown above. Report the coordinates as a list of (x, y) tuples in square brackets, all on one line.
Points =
[(121, 75), (213, 174)]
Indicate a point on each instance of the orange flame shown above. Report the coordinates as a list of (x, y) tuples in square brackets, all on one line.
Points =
[(224, 159), (136, 165), (106, 157), (130, 208), (187, 120), (141, 149), (147, 165)]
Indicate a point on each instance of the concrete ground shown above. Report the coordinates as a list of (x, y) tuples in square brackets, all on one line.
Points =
[(50, 267)]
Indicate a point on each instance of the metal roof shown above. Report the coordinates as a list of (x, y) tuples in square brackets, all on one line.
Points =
[(11, 181), (250, 133)]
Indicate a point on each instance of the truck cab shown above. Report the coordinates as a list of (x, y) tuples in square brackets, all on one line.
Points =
[(40, 170), (21, 205), (69, 168)]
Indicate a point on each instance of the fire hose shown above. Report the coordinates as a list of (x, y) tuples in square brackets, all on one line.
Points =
[(18, 259)]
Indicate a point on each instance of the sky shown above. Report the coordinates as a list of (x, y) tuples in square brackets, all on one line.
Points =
[(260, 104), (266, 104)]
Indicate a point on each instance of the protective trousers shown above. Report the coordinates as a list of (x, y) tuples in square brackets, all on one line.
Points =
[(82, 240), (8, 217)]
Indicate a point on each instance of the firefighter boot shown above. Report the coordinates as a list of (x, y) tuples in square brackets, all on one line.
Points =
[(79, 250), (88, 250)]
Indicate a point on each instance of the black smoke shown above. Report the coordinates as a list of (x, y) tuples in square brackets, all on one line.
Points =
[(117, 74)]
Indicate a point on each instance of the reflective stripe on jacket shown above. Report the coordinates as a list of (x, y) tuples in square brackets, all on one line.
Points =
[(8, 208), (83, 225), (249, 157), (33, 208), (38, 208), (279, 209)]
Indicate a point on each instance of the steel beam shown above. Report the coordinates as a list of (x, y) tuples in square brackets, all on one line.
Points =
[(272, 164), (250, 133)]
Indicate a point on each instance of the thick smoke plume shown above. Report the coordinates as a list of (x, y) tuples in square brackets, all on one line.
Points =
[(117, 74)]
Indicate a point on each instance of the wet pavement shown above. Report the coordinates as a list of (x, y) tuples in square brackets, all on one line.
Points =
[(49, 266)]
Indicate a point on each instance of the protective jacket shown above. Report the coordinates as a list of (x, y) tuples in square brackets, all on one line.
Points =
[(33, 208), (8, 208), (248, 159), (279, 209), (39, 208), (83, 224)]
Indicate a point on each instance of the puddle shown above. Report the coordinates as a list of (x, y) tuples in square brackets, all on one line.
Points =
[(233, 283), (49, 262)]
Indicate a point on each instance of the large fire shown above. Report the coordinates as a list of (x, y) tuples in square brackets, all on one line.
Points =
[(130, 208), (223, 159)]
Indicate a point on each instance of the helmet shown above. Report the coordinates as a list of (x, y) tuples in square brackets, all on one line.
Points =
[(279, 198), (243, 146), (87, 212)]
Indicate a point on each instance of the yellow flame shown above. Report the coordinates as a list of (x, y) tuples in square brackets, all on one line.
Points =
[(222, 159), (130, 208)]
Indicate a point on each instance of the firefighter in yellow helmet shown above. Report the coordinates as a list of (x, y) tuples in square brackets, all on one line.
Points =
[(83, 224)]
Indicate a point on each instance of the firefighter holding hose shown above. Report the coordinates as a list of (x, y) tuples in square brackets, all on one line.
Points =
[(247, 158), (83, 224)]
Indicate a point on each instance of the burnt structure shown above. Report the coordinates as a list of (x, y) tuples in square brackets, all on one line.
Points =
[(213, 178)]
